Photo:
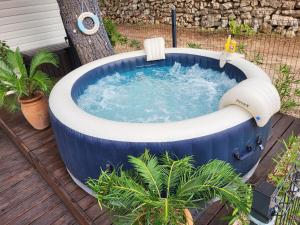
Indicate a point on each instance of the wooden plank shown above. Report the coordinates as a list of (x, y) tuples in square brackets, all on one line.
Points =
[(50, 216), (23, 207), (24, 201), (64, 220), (52, 181), (37, 211), (207, 216), (86, 202), (95, 212)]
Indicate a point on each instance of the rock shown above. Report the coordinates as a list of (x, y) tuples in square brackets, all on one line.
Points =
[(288, 4), (262, 12), (211, 21), (224, 23), (265, 28), (290, 33), (292, 13), (226, 6), (246, 15), (246, 9), (245, 3), (273, 3), (278, 20), (281, 16), (215, 5)]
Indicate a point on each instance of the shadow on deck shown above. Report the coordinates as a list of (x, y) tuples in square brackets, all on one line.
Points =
[(40, 149)]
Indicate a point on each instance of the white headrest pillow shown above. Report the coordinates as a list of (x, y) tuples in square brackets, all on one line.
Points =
[(257, 96), (155, 49)]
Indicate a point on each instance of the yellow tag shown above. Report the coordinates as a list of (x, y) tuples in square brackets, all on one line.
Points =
[(230, 45)]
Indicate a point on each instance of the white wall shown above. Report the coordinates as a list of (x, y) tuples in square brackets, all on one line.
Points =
[(32, 25)]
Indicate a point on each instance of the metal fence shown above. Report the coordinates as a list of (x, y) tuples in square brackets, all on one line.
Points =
[(288, 200), (269, 51)]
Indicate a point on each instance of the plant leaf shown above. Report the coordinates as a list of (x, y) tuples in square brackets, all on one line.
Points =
[(150, 171), (43, 57)]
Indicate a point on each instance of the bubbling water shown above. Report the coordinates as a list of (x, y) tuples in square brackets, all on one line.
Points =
[(156, 94)]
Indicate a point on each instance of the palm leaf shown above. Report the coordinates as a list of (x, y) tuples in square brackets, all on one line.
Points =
[(15, 61), (150, 171), (41, 81), (174, 171), (42, 57), (5, 67), (217, 179), (2, 95), (157, 191)]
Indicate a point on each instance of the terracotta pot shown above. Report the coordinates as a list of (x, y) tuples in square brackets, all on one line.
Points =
[(188, 217), (35, 110)]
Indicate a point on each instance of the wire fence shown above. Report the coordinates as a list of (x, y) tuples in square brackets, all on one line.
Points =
[(288, 203), (270, 51)]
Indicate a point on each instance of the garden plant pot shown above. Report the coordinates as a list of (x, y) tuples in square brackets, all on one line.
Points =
[(188, 217), (35, 110)]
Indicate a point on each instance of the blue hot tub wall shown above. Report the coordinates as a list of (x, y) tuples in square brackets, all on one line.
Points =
[(85, 155)]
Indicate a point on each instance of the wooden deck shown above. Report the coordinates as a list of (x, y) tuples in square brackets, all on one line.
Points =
[(40, 149), (25, 197)]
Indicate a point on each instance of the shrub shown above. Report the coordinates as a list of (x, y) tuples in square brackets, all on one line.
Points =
[(113, 34), (286, 87), (193, 45), (157, 190), (240, 29), (241, 48), (286, 160), (258, 58), (4, 48), (135, 44)]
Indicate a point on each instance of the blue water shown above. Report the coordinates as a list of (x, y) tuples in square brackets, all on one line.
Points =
[(156, 94)]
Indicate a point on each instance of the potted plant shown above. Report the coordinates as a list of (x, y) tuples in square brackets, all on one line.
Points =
[(27, 86), (160, 190)]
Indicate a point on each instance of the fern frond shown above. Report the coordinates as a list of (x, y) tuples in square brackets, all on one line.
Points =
[(150, 171), (157, 191), (6, 68), (218, 179), (175, 170), (42, 57), (15, 61), (41, 81)]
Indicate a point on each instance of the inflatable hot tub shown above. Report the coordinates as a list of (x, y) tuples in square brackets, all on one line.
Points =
[(236, 133)]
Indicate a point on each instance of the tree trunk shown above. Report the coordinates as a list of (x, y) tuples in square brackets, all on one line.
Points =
[(88, 47)]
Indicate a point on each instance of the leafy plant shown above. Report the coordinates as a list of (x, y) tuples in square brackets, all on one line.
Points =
[(258, 58), (157, 190), (193, 45), (286, 160), (4, 48), (18, 81), (241, 48), (135, 44), (240, 29), (113, 34), (286, 87)]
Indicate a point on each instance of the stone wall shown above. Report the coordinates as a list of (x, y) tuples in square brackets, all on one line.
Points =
[(281, 16)]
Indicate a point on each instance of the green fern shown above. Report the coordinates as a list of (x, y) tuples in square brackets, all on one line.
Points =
[(16, 81), (157, 190)]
